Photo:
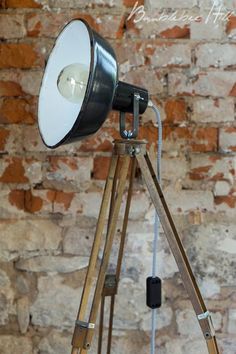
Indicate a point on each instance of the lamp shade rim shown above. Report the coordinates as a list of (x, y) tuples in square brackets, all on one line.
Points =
[(62, 120), (89, 82)]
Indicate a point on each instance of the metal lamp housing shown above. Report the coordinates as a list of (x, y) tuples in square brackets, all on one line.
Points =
[(61, 121)]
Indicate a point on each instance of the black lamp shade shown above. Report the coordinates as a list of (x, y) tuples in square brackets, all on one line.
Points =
[(63, 121)]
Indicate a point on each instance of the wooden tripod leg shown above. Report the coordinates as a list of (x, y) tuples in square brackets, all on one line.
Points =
[(112, 201), (177, 249), (112, 306), (76, 341), (121, 251), (100, 336), (112, 281), (107, 249)]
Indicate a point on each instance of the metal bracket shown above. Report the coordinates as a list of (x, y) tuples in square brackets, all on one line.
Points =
[(131, 134), (85, 324), (110, 285), (207, 316), (134, 150)]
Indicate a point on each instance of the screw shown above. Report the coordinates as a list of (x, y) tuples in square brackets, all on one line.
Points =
[(131, 150)]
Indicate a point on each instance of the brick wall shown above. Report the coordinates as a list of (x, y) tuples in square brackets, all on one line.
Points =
[(50, 199)]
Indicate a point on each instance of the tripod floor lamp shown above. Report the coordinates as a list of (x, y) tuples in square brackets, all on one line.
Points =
[(79, 88)]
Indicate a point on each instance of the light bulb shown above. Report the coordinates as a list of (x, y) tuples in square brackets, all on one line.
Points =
[(72, 82)]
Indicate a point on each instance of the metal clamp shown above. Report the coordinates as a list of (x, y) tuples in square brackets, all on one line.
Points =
[(110, 281), (207, 316), (204, 316), (134, 150), (131, 134), (84, 324)]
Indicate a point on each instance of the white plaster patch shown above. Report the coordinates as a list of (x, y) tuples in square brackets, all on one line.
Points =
[(228, 245)]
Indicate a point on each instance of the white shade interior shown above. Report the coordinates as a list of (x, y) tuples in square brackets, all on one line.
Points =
[(57, 115)]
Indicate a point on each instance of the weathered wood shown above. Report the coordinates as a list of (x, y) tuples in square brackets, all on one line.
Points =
[(109, 241), (109, 339), (177, 248), (100, 336), (121, 249), (76, 342), (212, 346), (131, 151)]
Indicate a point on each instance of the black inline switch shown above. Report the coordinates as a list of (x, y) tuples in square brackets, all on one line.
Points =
[(153, 292)]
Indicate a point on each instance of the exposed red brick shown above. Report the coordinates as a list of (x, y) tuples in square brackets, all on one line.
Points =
[(60, 197), (101, 141), (176, 32), (51, 195), (217, 102), (64, 198), (233, 91), (217, 168), (199, 173), (4, 134), (231, 24), (32, 203), (15, 172), (112, 119), (20, 55), (214, 158), (131, 26), (17, 198), (111, 26), (92, 144), (230, 130), (101, 167), (230, 200), (120, 31), (10, 88), (25, 200), (49, 24), (227, 138), (36, 28), (22, 4), (217, 177), (131, 3), (44, 25), (176, 111), (205, 140), (176, 133), (13, 111), (149, 51), (149, 133), (56, 160), (150, 47)]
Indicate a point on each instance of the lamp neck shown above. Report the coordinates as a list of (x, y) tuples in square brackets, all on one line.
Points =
[(124, 98), (130, 99)]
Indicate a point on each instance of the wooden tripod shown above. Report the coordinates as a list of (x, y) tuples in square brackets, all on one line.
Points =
[(126, 154)]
